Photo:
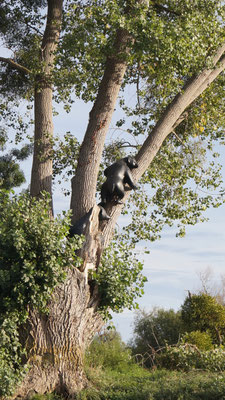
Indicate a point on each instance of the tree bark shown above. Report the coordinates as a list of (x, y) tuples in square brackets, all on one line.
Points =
[(56, 342), (41, 175)]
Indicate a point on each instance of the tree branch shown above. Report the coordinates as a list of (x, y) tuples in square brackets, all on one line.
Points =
[(15, 65), (173, 115)]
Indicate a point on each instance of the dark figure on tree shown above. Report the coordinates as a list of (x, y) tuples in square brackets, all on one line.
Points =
[(118, 174), (80, 226)]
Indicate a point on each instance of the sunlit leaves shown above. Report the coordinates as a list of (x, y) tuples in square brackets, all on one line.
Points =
[(119, 277), (33, 252)]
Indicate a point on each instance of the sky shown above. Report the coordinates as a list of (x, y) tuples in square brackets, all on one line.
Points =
[(174, 264)]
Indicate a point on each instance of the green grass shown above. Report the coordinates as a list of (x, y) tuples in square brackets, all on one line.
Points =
[(139, 384)]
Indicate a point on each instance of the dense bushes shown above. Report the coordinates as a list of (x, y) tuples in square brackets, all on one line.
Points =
[(108, 351), (187, 357), (154, 330), (192, 337), (114, 376), (33, 260)]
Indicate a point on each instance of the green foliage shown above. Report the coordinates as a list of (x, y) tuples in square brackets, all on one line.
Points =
[(34, 256), (33, 252), (65, 155), (203, 312), (119, 278), (187, 357), (177, 189), (202, 340), (108, 351), (12, 369), (154, 330), (11, 174)]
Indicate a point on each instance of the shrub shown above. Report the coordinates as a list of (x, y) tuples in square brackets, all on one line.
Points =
[(187, 357), (154, 330), (203, 312), (108, 351), (202, 340)]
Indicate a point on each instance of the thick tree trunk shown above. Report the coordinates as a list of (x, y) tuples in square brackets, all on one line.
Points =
[(56, 342), (41, 175)]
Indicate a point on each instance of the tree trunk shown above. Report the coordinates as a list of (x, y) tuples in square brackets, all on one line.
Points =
[(41, 175), (56, 342), (84, 182), (41, 178)]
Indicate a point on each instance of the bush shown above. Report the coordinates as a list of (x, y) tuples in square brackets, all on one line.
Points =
[(187, 357), (108, 351), (154, 330), (203, 312), (202, 340)]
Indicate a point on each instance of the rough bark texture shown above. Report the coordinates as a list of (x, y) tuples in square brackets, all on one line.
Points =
[(41, 179), (41, 175), (56, 342)]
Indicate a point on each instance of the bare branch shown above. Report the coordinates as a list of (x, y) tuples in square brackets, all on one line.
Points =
[(15, 65)]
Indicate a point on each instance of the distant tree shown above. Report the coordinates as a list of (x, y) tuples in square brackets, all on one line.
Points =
[(109, 351), (213, 287), (11, 174), (202, 312), (154, 330)]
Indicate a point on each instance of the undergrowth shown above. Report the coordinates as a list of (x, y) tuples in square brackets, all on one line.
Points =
[(113, 375), (140, 384)]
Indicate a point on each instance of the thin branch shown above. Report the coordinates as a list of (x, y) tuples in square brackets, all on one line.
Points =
[(15, 65)]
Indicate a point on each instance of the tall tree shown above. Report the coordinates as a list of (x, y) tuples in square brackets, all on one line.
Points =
[(175, 55)]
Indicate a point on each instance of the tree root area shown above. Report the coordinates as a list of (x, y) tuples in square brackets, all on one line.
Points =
[(48, 380)]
